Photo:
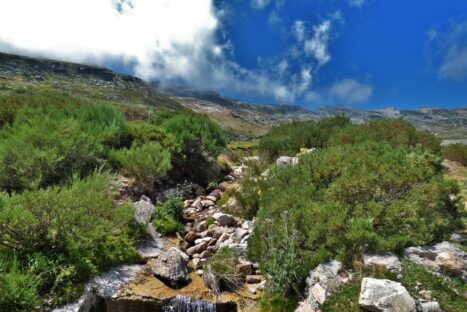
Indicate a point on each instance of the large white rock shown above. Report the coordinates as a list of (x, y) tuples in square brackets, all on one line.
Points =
[(382, 295), (387, 260)]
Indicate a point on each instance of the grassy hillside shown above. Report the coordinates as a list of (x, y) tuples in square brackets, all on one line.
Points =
[(24, 74)]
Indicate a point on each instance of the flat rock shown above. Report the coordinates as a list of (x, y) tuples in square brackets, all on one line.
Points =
[(286, 160), (387, 260), (382, 295), (431, 306), (224, 219)]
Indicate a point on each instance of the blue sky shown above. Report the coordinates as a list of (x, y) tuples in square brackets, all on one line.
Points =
[(396, 47), (361, 53)]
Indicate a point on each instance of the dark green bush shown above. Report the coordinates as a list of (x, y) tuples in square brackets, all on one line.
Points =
[(396, 132), (147, 163), (168, 216), (289, 138), (68, 233), (343, 200), (456, 152), (45, 145), (200, 140)]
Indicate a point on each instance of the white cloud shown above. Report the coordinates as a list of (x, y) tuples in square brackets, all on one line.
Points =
[(356, 3), (166, 40), (452, 47), (351, 91), (260, 4), (315, 42)]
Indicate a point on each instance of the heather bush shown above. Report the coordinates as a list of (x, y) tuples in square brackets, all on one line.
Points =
[(343, 200), (168, 216), (147, 163), (64, 234), (456, 152)]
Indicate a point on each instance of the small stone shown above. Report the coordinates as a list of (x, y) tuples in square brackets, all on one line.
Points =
[(197, 249), (426, 294), (200, 226), (199, 272), (432, 306), (190, 236), (319, 293), (251, 290), (211, 198), (253, 279), (224, 219), (244, 268)]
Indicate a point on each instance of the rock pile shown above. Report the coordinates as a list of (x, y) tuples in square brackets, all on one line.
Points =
[(440, 257), (322, 282)]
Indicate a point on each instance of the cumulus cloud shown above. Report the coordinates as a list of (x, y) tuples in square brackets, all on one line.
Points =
[(452, 46), (351, 91), (166, 40)]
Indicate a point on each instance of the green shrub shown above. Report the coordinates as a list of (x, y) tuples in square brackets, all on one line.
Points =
[(19, 289), (396, 132), (221, 266), (200, 140), (168, 216), (147, 163), (288, 139), (144, 132), (343, 200), (46, 145), (456, 152), (68, 233)]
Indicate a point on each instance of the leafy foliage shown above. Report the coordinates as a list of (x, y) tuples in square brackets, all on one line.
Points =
[(64, 235), (343, 200), (147, 163), (168, 216), (289, 138)]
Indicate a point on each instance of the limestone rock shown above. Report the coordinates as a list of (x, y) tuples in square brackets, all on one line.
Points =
[(442, 256), (431, 306), (381, 295), (286, 160), (171, 266), (387, 260), (144, 210)]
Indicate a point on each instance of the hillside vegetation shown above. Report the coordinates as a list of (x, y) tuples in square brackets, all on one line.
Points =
[(374, 187), (60, 222)]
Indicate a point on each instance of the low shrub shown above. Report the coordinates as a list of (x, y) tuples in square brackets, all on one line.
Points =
[(168, 216), (200, 140), (341, 201), (287, 139), (19, 288), (147, 163), (456, 152), (66, 233)]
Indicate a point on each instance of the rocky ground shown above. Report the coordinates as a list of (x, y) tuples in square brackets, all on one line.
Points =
[(174, 275)]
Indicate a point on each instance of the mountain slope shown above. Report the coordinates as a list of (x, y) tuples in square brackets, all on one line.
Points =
[(19, 73)]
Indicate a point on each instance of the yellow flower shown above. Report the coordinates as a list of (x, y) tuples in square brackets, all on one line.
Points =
[(303, 150)]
